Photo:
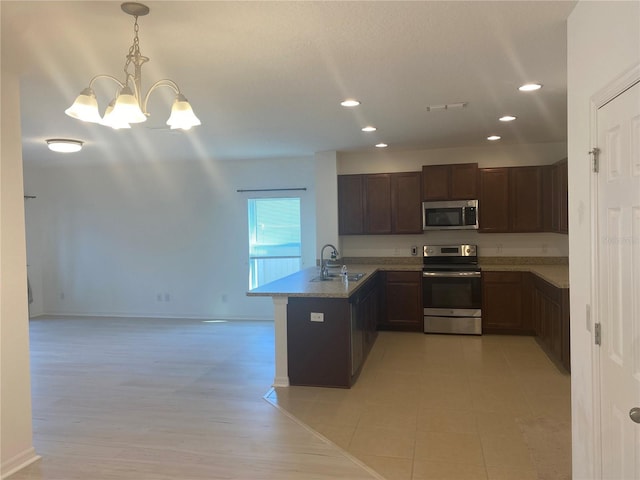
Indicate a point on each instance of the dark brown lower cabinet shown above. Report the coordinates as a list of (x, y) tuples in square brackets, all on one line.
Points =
[(551, 319), (506, 305), (521, 303), (402, 302), (331, 352)]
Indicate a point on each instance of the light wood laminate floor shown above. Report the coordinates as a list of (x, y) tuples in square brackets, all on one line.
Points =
[(149, 399), (182, 399)]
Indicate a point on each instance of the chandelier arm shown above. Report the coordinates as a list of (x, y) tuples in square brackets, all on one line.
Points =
[(104, 75), (160, 83)]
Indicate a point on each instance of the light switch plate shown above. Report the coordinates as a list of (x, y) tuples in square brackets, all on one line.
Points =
[(317, 317)]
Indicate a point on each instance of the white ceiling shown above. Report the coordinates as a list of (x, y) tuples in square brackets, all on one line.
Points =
[(267, 78)]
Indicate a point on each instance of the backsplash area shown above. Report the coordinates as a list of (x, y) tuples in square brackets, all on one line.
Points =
[(489, 244)]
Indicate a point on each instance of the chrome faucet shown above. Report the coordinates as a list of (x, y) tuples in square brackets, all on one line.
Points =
[(323, 266)]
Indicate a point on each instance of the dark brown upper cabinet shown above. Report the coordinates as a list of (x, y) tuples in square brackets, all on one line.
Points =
[(450, 182), (493, 201), (525, 199), (406, 211), (511, 199), (377, 203), (382, 203), (351, 204), (555, 197)]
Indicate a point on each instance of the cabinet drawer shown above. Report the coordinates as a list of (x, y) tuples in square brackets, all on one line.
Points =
[(407, 277)]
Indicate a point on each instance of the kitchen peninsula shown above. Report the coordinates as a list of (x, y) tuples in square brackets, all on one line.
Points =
[(324, 329), (329, 347)]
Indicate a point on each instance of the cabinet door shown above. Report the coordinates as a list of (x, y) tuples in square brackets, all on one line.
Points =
[(493, 202), (377, 202), (548, 202), (403, 293), (503, 303), (435, 182), (350, 204), (319, 353), (562, 196), (371, 313), (526, 199), (406, 212), (464, 181)]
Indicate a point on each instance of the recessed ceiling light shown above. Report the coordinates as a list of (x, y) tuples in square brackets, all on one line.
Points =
[(507, 118), (369, 128), (382, 145), (64, 145), (493, 138), (530, 87), (350, 102)]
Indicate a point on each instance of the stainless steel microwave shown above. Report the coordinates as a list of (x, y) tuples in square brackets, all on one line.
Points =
[(453, 215)]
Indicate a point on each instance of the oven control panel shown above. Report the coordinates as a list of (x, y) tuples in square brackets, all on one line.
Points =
[(450, 250)]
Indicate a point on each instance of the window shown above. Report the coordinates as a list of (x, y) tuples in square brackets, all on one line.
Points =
[(274, 239)]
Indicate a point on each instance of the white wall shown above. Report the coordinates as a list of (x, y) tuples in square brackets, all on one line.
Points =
[(16, 447), (109, 239), (603, 42), (494, 244), (326, 200)]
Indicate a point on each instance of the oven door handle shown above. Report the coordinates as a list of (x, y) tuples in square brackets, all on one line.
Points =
[(451, 274)]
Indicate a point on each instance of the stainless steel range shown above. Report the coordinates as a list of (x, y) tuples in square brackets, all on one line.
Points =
[(451, 289)]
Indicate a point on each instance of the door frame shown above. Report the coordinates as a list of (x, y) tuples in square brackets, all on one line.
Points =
[(616, 87)]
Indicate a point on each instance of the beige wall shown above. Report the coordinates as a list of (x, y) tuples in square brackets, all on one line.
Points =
[(381, 161), (603, 42), (16, 447)]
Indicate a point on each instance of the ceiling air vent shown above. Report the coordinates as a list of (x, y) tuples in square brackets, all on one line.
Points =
[(447, 106)]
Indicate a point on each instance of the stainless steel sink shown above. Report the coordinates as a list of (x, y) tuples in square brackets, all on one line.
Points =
[(333, 277)]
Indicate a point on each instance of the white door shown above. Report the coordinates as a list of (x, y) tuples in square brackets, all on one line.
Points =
[(618, 282)]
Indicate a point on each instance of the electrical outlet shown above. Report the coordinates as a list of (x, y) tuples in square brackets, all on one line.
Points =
[(317, 317), (224, 298), (159, 297)]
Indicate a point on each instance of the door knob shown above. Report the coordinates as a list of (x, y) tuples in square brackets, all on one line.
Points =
[(634, 413)]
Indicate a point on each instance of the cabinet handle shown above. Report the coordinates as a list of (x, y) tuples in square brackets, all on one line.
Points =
[(451, 274)]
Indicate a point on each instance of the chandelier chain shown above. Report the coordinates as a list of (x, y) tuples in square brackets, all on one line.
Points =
[(134, 49)]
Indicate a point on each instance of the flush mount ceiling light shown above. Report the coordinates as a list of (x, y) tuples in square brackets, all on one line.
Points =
[(369, 129), (493, 138), (507, 118), (63, 145), (130, 106), (382, 145), (350, 102), (530, 87)]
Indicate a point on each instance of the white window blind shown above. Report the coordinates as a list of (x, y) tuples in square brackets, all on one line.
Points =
[(274, 239)]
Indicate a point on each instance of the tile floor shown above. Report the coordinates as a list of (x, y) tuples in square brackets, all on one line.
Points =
[(447, 407)]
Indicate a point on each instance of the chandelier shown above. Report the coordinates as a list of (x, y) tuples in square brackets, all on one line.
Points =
[(129, 105)]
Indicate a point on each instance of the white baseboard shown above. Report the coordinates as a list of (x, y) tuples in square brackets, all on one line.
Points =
[(231, 318), (18, 462)]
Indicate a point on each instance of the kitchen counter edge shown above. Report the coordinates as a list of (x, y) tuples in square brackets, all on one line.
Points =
[(299, 284)]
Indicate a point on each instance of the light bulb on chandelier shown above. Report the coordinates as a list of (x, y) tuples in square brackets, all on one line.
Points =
[(130, 106)]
